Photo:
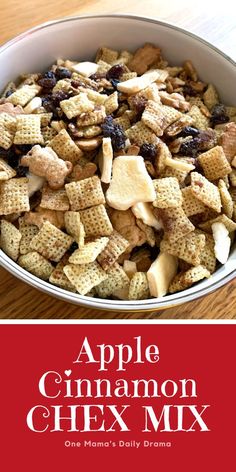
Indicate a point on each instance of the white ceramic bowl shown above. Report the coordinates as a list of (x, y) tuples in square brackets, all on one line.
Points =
[(78, 38)]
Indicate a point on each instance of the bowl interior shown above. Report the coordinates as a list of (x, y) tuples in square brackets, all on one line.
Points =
[(78, 39)]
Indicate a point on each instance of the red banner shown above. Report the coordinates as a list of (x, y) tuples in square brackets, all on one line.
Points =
[(112, 397)]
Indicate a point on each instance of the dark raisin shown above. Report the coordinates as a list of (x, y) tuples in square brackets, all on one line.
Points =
[(50, 107), (48, 81), (190, 148), (115, 72), (115, 132), (21, 171), (114, 83), (8, 93), (138, 105), (98, 76), (12, 159), (73, 247), (219, 114), (23, 148), (188, 90), (57, 97), (63, 73), (148, 151), (189, 131)]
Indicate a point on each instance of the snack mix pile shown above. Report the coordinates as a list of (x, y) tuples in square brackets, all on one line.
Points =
[(117, 177)]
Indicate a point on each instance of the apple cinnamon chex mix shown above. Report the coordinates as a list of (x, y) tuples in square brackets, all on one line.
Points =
[(118, 175)]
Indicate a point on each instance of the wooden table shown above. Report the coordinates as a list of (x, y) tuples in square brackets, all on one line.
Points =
[(215, 21)]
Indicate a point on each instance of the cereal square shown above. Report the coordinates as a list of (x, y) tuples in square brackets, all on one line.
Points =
[(28, 232), (188, 248), (85, 277), (159, 117), (28, 130), (191, 205), (175, 222), (14, 197), (65, 147), (89, 252), (51, 242), (85, 193), (185, 280), (116, 246), (205, 191), (10, 239), (116, 280), (36, 265), (58, 277), (74, 106), (214, 163), (6, 172), (139, 288), (96, 221), (54, 199), (168, 193), (24, 94)]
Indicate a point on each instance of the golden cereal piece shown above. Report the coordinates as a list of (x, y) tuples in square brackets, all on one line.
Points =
[(74, 227), (185, 280), (116, 279), (28, 130), (188, 248), (58, 277), (6, 172), (210, 96), (177, 126), (107, 55), (7, 130), (95, 117), (96, 221), (24, 94), (88, 252), (191, 205), (159, 117), (10, 239), (41, 215), (111, 104), (168, 193), (36, 265), (51, 242), (226, 199), (228, 141), (214, 163), (139, 288), (65, 147), (140, 134), (85, 277), (123, 120), (205, 191), (116, 246), (175, 222), (76, 105), (27, 231), (48, 134), (207, 257), (227, 222), (14, 197), (143, 58), (85, 193), (54, 199), (199, 119)]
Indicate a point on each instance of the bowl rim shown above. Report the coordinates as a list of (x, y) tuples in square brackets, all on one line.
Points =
[(152, 304)]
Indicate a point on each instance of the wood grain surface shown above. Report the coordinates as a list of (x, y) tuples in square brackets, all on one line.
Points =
[(214, 21)]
